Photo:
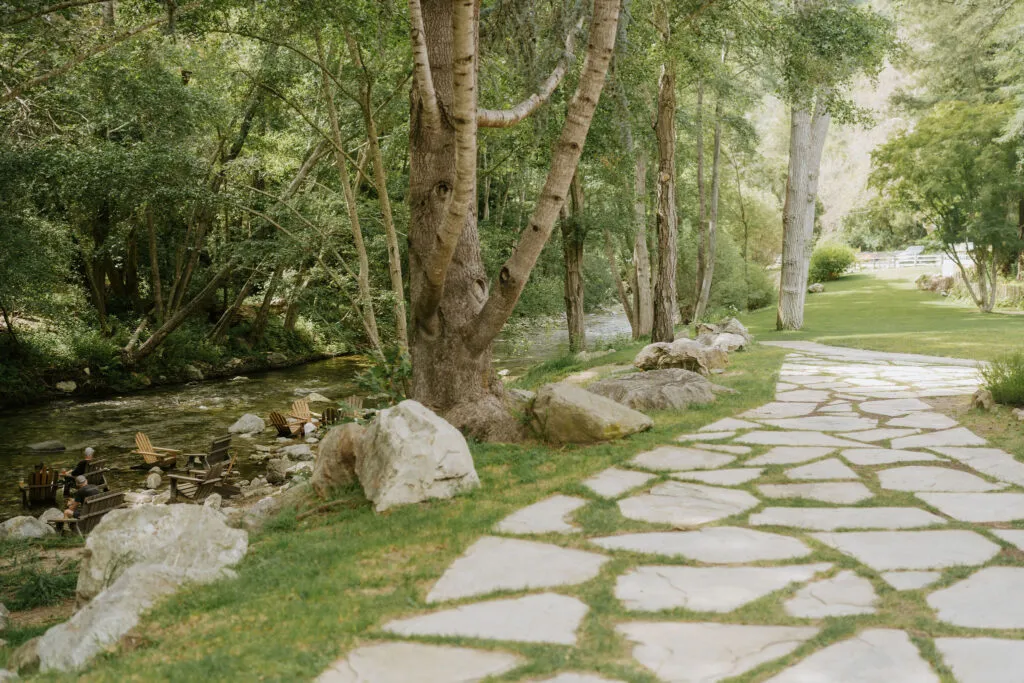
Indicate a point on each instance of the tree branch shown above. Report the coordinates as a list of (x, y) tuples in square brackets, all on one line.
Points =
[(513, 276), (423, 80), (503, 118), (71, 4), (67, 66)]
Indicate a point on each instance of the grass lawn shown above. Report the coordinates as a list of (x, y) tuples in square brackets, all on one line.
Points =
[(868, 312), (310, 591)]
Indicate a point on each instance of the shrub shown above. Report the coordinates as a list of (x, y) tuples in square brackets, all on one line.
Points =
[(760, 288), (1004, 377), (830, 261)]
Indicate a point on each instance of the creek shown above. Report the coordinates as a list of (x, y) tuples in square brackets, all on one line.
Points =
[(188, 416)]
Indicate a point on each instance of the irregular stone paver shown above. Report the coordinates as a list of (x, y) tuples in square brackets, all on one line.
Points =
[(977, 507), (574, 678), (726, 448), (894, 407), (923, 478), (828, 492), (686, 504), (983, 660), (681, 458), (705, 589), (709, 652), (713, 545), (842, 595), (728, 424), (831, 519), (613, 482), (885, 456), (837, 407), (908, 581), (493, 564), (991, 461), (883, 434), (923, 421), (770, 410), (824, 423), (990, 598), (404, 662), (543, 618), (1012, 536), (790, 455), (705, 436), (802, 396), (959, 436), (547, 516), (872, 656), (729, 477), (795, 439), (826, 469), (884, 550)]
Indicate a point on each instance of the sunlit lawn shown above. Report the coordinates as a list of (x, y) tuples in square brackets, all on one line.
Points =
[(868, 312)]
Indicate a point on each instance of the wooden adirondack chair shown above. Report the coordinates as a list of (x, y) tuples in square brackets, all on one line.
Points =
[(353, 405), (219, 447), (154, 455), (301, 412), (96, 474), (93, 510), (330, 416), (197, 488), (40, 487), (283, 426)]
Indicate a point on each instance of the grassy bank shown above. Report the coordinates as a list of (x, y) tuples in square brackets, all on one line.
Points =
[(869, 312), (310, 590)]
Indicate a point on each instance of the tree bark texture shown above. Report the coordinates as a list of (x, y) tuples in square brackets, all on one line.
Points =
[(643, 297), (572, 255), (667, 223), (259, 326), (710, 233)]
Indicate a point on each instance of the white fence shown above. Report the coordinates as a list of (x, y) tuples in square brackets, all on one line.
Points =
[(882, 261)]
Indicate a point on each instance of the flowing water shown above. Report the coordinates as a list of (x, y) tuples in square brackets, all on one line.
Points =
[(188, 416)]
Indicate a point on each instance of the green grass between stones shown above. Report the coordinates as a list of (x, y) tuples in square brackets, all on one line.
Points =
[(869, 312)]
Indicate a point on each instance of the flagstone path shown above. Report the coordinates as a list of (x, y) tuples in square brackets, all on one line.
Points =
[(843, 499)]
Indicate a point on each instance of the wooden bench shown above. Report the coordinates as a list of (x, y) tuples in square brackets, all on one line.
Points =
[(155, 456), (93, 510), (196, 488), (41, 487)]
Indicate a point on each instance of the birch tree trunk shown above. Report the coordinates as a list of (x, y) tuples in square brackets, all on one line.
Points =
[(643, 300), (806, 145), (667, 221), (710, 237), (455, 314), (690, 312), (572, 254)]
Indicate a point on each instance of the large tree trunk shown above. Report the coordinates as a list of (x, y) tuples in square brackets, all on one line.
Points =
[(455, 315), (620, 283), (259, 326), (154, 269), (221, 328), (643, 299), (667, 221), (690, 307), (710, 237), (572, 253), (806, 144)]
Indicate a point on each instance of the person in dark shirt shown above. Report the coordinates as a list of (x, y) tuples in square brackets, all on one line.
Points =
[(80, 469), (85, 490)]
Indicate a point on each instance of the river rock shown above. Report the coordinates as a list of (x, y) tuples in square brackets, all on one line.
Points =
[(726, 341), (25, 527), (67, 386), (153, 481), (687, 354), (408, 455), (982, 400), (193, 373), (277, 358), (816, 288), (213, 501), (248, 424), (299, 451), (564, 413), (336, 459), (46, 447), (314, 397), (6, 675), (669, 389), (299, 469), (52, 513), (190, 538), (277, 470)]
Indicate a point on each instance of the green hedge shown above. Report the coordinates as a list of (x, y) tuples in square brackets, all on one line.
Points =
[(831, 261)]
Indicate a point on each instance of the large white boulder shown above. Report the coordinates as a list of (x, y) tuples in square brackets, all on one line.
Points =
[(190, 538), (248, 424), (670, 389), (25, 527), (336, 459), (408, 455), (687, 354), (565, 413)]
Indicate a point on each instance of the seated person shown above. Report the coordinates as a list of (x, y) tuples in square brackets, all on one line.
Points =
[(85, 490), (81, 468)]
